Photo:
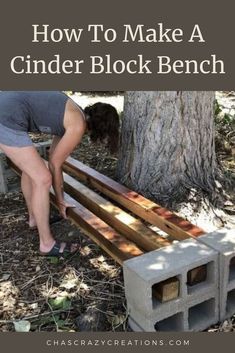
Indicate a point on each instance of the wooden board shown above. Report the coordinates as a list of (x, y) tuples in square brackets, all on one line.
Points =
[(164, 219), (118, 247), (197, 275), (166, 290), (129, 226)]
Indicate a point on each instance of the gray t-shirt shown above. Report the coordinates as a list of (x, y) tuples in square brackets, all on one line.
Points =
[(33, 111)]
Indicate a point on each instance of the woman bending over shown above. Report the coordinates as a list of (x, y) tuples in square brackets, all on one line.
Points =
[(53, 113)]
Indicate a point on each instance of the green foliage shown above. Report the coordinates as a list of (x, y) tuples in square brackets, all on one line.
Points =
[(53, 260), (60, 303), (228, 119), (217, 109), (225, 120)]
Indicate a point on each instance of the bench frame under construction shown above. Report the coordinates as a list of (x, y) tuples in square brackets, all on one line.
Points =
[(128, 226)]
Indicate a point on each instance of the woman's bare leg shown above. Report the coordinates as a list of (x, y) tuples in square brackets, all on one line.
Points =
[(29, 161), (27, 189)]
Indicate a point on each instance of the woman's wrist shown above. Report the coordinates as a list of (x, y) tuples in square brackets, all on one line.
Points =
[(61, 202)]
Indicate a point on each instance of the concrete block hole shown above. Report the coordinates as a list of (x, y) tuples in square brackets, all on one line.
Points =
[(172, 323), (200, 276), (232, 269), (200, 314), (230, 307)]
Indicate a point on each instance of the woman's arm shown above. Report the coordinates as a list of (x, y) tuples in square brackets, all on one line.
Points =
[(55, 141), (60, 150), (57, 177)]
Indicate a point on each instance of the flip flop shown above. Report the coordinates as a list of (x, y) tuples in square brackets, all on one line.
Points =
[(55, 251)]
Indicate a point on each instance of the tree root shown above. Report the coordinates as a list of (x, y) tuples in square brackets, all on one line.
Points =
[(209, 206), (203, 211)]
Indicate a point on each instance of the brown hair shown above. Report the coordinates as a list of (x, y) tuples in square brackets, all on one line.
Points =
[(102, 123)]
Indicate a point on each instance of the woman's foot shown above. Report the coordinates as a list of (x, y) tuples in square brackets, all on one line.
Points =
[(60, 250)]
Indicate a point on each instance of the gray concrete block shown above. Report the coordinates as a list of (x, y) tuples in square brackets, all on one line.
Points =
[(42, 148), (223, 241), (134, 326), (161, 314), (6, 173), (203, 313), (192, 316), (141, 273), (176, 322)]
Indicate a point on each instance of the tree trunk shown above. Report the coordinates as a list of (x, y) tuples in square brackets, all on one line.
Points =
[(167, 144)]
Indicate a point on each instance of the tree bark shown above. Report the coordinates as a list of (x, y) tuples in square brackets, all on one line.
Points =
[(167, 144)]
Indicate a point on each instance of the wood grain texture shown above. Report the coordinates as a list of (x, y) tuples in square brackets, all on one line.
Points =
[(132, 228), (197, 275), (114, 244), (151, 212), (166, 290)]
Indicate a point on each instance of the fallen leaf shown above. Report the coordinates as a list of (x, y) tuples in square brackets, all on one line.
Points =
[(5, 277), (38, 268), (22, 326), (60, 303)]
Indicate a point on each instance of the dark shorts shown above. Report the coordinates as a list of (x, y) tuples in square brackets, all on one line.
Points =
[(14, 138)]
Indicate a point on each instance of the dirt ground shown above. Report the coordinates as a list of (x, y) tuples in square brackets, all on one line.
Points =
[(82, 293)]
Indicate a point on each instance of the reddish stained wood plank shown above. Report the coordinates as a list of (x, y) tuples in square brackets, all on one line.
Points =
[(144, 208), (177, 220), (132, 228), (106, 237), (117, 246)]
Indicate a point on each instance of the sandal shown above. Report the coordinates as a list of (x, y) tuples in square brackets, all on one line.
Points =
[(56, 252)]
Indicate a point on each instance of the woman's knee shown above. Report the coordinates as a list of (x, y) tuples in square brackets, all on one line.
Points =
[(44, 180)]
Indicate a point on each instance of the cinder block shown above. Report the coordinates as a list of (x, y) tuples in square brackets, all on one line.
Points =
[(144, 272), (223, 241), (42, 148), (203, 313), (176, 321), (134, 326), (6, 173), (8, 180), (192, 316)]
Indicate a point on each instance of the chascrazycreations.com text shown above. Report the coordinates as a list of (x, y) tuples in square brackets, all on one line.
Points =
[(116, 342)]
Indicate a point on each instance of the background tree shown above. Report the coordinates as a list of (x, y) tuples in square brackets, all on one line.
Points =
[(167, 149)]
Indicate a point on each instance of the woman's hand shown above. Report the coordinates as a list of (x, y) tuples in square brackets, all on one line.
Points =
[(63, 208)]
